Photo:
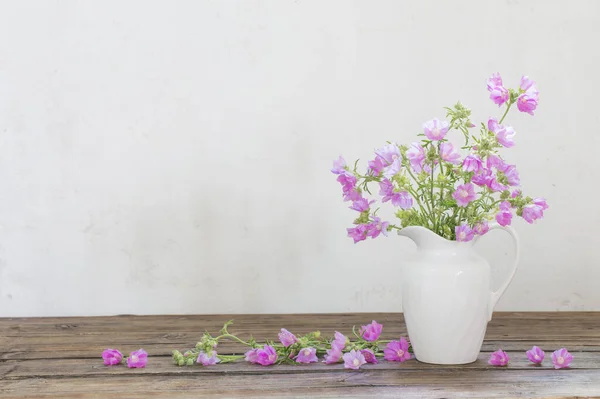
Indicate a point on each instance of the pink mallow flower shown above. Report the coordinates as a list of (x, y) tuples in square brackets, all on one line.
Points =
[(251, 356), (481, 228), (361, 205), (307, 355), (137, 359), (526, 83), (397, 351), (353, 360), (504, 134), (464, 194), (111, 357), (206, 359), (498, 93), (561, 358), (512, 175), (464, 233), (416, 156), (535, 355), (472, 163), (369, 356), (435, 129), (528, 101), (348, 182), (401, 198), (449, 154), (333, 355), (377, 227), (287, 338), (376, 166), (339, 341), (266, 356), (390, 154), (358, 233), (499, 358), (534, 211), (371, 332), (504, 216), (339, 166)]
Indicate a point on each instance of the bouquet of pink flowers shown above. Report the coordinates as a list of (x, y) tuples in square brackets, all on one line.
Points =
[(435, 186)]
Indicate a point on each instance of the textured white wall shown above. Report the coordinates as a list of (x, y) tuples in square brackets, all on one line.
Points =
[(173, 157)]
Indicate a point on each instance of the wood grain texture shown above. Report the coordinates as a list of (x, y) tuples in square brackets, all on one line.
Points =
[(60, 358)]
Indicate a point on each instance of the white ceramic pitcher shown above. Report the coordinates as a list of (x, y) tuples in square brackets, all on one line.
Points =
[(447, 297)]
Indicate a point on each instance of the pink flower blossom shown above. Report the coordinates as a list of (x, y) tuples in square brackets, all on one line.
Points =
[(361, 205), (333, 355), (397, 351), (348, 182), (512, 176), (206, 360), (339, 341), (472, 163), (482, 177), (481, 228), (532, 212), (504, 217), (464, 233), (499, 358), (505, 136), (111, 357), (541, 202), (137, 359), (448, 153), (464, 194), (252, 356), (526, 83), (493, 81), (494, 161), (376, 166), (390, 154), (528, 101), (416, 155), (287, 338), (535, 355), (401, 199), (339, 166), (352, 195), (494, 185), (371, 332), (307, 355), (353, 360), (266, 356), (515, 193), (561, 358), (358, 233), (369, 356), (435, 129), (498, 93), (377, 227)]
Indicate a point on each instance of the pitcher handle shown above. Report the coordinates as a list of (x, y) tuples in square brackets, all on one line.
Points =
[(495, 295)]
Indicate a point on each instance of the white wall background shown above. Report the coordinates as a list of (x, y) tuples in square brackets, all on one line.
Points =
[(173, 156)]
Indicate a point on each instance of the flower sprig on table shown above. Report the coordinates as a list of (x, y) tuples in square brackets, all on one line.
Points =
[(366, 347), (431, 184)]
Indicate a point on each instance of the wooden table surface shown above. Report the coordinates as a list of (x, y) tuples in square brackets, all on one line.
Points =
[(60, 358)]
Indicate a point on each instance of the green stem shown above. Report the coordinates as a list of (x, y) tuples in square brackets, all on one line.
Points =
[(234, 338), (505, 112)]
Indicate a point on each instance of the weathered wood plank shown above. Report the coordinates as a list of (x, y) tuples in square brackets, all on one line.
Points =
[(86, 337), (421, 384), (61, 368)]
